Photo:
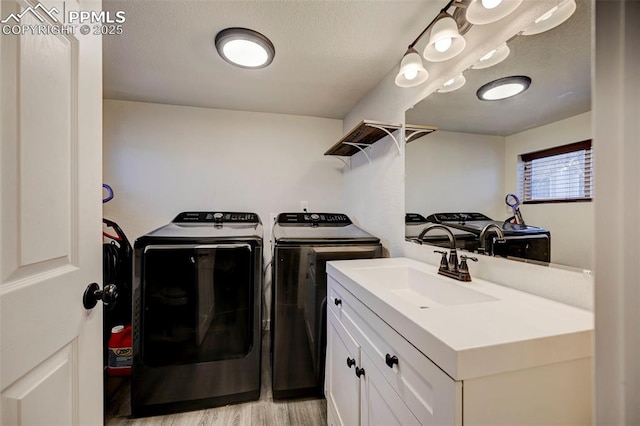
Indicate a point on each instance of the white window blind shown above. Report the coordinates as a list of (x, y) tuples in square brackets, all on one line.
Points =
[(559, 174)]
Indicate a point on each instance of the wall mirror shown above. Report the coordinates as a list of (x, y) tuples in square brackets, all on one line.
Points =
[(471, 163)]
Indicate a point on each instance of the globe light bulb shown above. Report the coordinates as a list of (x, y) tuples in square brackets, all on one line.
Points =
[(547, 15), (443, 44), (410, 74), (490, 4), (488, 55)]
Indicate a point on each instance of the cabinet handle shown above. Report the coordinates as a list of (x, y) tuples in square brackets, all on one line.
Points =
[(337, 301), (390, 360), (350, 362), (359, 371)]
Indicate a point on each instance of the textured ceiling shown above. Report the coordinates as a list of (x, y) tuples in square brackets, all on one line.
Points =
[(559, 64), (329, 54)]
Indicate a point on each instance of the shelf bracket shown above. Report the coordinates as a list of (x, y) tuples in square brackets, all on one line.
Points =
[(415, 133), (386, 130), (361, 148), (345, 162)]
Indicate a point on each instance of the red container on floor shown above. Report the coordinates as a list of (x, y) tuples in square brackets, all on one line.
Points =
[(120, 351)]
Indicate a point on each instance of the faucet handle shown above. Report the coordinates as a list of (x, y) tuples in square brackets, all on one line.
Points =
[(443, 260), (464, 268), (463, 262)]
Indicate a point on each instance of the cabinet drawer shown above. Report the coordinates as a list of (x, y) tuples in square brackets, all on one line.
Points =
[(335, 295), (432, 396)]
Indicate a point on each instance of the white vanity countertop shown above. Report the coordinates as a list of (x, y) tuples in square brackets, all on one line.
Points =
[(516, 331)]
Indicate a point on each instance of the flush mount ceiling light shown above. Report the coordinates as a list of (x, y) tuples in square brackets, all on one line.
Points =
[(453, 84), (552, 18), (412, 72), (480, 12), (503, 88), (492, 57), (445, 42), (244, 48)]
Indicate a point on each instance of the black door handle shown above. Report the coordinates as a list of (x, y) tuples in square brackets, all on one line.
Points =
[(92, 294), (337, 301), (390, 360), (359, 371), (350, 362)]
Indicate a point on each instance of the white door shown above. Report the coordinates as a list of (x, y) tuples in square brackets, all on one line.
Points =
[(50, 218)]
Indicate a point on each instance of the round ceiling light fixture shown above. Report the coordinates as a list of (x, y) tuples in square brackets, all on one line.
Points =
[(245, 48), (503, 88)]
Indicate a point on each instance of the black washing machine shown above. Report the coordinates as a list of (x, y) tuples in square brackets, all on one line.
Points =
[(303, 243), (197, 313)]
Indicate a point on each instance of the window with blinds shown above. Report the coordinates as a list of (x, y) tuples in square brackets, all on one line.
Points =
[(559, 174)]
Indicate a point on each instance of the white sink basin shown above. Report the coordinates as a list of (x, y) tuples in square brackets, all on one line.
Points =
[(421, 289)]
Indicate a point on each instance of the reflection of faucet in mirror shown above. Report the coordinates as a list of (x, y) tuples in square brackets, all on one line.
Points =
[(483, 238)]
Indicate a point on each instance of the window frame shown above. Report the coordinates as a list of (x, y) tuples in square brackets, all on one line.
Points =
[(586, 145)]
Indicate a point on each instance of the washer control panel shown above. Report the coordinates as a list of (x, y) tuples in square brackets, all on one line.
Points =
[(456, 217), (216, 217), (313, 218)]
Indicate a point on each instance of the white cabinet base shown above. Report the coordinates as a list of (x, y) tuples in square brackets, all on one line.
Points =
[(414, 390), (556, 394)]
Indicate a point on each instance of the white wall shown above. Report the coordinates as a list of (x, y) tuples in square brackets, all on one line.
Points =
[(163, 159), (571, 224), (449, 172)]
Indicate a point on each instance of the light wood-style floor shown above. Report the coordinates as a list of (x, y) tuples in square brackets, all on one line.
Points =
[(265, 411)]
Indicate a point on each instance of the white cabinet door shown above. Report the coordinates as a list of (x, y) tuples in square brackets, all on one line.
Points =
[(381, 405), (343, 356), (50, 217)]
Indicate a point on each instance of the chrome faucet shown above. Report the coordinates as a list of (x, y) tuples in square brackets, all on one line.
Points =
[(449, 267), (483, 236)]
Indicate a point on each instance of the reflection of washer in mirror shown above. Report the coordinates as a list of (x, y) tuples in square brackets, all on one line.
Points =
[(415, 223), (520, 241)]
